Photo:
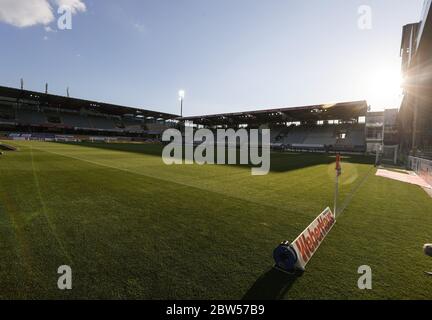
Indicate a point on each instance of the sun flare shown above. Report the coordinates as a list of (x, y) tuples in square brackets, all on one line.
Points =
[(384, 85)]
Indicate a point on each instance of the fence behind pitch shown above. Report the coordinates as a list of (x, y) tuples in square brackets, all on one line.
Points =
[(422, 167)]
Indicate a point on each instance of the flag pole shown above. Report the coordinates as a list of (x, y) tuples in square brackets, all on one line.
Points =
[(336, 193)]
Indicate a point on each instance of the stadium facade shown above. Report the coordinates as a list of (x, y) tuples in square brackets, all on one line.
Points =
[(381, 129), (415, 117)]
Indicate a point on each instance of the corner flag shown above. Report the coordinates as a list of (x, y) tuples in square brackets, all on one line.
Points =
[(338, 173), (338, 165)]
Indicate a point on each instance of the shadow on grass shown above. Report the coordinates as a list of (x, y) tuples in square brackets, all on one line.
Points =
[(280, 162), (272, 285)]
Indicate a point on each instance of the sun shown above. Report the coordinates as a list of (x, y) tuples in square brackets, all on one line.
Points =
[(387, 81), (384, 88)]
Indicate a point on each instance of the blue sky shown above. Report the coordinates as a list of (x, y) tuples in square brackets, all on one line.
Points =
[(227, 55)]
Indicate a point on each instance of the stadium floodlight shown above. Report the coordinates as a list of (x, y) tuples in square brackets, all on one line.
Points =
[(181, 95)]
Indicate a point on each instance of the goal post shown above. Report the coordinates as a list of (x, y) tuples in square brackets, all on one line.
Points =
[(389, 154)]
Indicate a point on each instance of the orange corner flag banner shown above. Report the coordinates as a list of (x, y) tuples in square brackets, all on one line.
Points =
[(309, 240), (338, 165)]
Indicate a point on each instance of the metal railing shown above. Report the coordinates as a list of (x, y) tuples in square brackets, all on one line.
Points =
[(423, 167)]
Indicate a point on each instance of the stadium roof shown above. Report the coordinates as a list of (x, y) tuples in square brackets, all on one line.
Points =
[(62, 102), (337, 111)]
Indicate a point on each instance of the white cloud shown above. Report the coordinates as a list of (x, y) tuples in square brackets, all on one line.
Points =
[(140, 27), (26, 13), (49, 29), (75, 5)]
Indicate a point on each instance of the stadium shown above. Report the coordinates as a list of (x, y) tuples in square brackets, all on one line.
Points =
[(83, 184)]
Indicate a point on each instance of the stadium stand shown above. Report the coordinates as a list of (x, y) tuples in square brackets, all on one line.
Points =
[(296, 135), (348, 137), (30, 117), (351, 137), (155, 128), (317, 128), (103, 123), (75, 120), (34, 115), (276, 134)]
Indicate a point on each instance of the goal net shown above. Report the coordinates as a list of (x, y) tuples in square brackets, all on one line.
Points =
[(389, 154)]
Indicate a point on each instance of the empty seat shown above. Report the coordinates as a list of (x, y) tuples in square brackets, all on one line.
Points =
[(75, 120), (102, 123), (30, 117), (325, 137)]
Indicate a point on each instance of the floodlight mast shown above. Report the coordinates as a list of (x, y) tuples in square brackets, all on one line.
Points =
[(181, 95)]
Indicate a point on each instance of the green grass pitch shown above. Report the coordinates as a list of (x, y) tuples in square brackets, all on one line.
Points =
[(132, 227)]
